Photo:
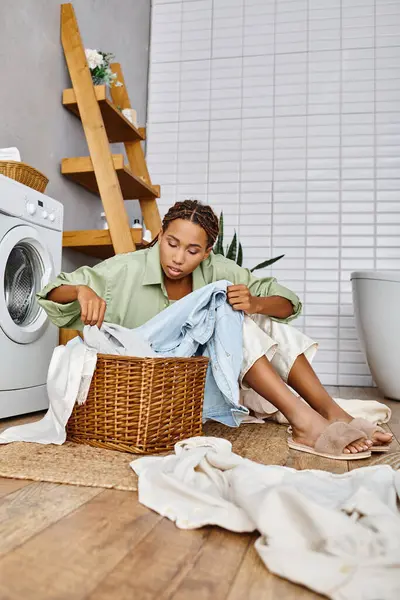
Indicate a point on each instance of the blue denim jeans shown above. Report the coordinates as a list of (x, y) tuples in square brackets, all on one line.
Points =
[(204, 323)]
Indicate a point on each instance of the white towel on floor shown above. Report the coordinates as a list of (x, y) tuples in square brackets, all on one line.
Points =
[(372, 410), (336, 534)]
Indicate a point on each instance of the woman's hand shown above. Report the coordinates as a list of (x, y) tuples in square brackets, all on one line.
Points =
[(93, 307), (240, 298)]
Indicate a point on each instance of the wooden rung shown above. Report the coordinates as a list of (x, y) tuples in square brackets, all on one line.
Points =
[(118, 128), (80, 169), (96, 242)]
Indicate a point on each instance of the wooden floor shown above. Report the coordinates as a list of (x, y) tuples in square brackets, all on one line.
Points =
[(64, 542)]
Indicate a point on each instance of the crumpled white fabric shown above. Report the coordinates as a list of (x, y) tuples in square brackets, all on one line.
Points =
[(69, 377), (68, 380), (339, 535), (372, 410), (115, 339)]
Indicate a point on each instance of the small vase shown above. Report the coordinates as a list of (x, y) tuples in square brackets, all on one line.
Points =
[(130, 114)]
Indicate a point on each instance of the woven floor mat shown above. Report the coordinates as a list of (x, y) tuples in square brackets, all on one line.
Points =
[(78, 464)]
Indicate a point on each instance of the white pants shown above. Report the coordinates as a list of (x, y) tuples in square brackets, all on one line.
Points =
[(281, 344)]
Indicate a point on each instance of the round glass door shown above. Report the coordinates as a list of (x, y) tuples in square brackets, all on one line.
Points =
[(25, 268), (22, 280)]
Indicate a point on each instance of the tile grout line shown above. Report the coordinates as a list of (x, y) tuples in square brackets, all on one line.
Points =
[(210, 101), (339, 292), (178, 122), (306, 170), (375, 149), (272, 193), (241, 124)]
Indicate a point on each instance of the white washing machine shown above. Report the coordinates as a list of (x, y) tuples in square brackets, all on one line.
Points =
[(30, 256)]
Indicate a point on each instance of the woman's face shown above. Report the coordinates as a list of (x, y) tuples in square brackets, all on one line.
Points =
[(183, 246)]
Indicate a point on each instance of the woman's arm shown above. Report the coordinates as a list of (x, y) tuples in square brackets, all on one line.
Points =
[(93, 307), (76, 299), (255, 295), (63, 294), (240, 298)]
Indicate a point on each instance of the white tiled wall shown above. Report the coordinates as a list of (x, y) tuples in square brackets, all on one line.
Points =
[(285, 114)]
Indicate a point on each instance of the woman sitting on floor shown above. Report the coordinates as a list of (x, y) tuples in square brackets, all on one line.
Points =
[(129, 289)]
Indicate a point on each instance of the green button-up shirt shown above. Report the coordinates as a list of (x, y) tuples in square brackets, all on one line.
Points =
[(133, 287)]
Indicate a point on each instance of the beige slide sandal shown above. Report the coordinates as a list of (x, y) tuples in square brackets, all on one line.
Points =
[(369, 429), (332, 442)]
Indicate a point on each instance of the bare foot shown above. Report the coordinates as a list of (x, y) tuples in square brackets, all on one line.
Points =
[(308, 431), (379, 438)]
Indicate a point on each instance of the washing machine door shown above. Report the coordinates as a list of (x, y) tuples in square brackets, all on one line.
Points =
[(25, 267)]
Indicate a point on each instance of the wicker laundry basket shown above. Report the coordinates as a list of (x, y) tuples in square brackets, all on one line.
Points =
[(24, 174), (141, 405)]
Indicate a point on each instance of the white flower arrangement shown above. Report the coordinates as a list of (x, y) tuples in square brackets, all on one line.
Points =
[(99, 65)]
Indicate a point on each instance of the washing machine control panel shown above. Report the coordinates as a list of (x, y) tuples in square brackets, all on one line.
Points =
[(18, 200), (43, 210)]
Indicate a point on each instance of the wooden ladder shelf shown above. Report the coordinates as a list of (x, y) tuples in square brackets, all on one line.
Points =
[(102, 172)]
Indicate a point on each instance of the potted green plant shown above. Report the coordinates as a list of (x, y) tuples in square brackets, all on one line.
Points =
[(100, 67)]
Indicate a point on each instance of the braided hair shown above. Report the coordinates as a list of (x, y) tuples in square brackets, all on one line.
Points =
[(196, 212)]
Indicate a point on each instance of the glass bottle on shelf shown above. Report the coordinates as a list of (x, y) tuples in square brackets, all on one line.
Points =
[(102, 223), (136, 224)]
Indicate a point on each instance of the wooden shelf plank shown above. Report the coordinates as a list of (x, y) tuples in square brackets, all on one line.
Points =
[(80, 169), (97, 242), (118, 128)]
